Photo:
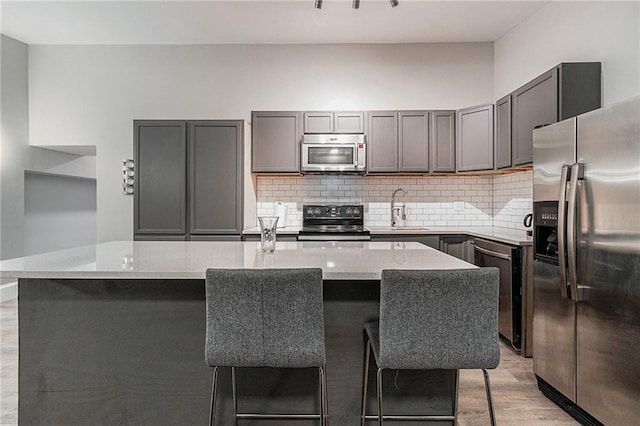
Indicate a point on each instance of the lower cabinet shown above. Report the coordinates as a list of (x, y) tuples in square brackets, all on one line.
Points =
[(215, 238), (460, 246), (428, 240)]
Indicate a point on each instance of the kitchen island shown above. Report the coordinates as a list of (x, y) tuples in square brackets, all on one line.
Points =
[(114, 333)]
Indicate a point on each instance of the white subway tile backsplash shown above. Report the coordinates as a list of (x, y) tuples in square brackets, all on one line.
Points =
[(488, 200)]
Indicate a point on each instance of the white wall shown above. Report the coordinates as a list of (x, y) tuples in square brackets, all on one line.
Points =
[(59, 212), (606, 32), (14, 146), (89, 95)]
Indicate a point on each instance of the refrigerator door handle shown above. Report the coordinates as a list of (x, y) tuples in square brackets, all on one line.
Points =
[(577, 170), (562, 220)]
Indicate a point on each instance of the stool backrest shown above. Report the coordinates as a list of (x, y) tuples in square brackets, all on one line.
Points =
[(443, 319), (264, 318)]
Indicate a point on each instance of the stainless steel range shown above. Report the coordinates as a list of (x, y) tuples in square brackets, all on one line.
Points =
[(331, 222)]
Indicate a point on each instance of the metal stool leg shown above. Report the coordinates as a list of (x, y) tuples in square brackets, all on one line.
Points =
[(324, 404), (455, 401), (365, 380), (234, 392), (214, 391), (487, 386), (379, 380)]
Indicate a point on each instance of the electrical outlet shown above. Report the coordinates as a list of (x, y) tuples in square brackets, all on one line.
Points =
[(458, 205)]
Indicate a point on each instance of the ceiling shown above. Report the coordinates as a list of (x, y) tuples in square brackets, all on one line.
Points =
[(259, 21)]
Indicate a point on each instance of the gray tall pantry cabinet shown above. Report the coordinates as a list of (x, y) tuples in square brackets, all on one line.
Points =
[(189, 179)]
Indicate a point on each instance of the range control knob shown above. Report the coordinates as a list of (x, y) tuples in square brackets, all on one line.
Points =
[(349, 211)]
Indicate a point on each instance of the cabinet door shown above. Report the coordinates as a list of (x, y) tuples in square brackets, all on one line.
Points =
[(474, 139), (459, 246), (534, 104), (580, 88), (160, 184), (215, 177), (442, 141), (318, 122), (275, 143), (413, 141), (382, 141), (503, 133), (215, 238), (349, 122)]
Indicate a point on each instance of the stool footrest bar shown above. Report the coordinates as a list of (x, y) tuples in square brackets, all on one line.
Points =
[(408, 417), (277, 416)]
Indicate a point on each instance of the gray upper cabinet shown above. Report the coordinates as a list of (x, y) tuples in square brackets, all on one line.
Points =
[(413, 141), (349, 122), (275, 141), (534, 104), (318, 122), (382, 141), (215, 177), (442, 141), (160, 184), (474, 138), (188, 178), (502, 146), (562, 92), (333, 122)]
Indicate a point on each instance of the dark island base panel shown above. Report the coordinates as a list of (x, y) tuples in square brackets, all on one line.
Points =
[(131, 352)]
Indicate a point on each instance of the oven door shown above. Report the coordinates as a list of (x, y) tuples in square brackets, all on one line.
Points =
[(329, 157)]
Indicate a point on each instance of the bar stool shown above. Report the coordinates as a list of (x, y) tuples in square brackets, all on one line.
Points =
[(265, 318), (443, 319)]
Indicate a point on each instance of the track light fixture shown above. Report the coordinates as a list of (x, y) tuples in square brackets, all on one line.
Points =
[(355, 4)]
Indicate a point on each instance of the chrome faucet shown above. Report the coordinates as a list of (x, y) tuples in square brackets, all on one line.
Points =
[(397, 211)]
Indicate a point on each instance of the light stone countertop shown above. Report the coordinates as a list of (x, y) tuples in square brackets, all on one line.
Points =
[(514, 237), (352, 260)]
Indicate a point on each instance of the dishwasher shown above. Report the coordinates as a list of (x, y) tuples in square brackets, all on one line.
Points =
[(507, 259)]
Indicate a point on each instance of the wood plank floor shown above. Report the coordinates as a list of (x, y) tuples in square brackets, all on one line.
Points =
[(516, 398)]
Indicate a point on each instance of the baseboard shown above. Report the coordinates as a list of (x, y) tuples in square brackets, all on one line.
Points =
[(8, 291)]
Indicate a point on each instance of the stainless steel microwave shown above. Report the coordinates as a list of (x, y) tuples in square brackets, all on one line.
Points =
[(333, 154)]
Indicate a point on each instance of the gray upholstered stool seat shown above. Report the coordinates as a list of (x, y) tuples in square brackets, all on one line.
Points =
[(265, 318), (434, 320)]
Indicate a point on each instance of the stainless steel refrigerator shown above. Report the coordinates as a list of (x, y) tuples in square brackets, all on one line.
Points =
[(586, 324)]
